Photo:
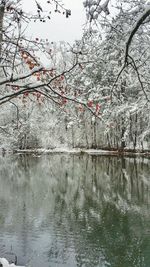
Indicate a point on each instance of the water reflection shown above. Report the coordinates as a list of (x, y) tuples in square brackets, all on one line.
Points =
[(75, 211)]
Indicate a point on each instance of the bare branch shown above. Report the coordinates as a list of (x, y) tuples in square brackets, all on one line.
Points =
[(141, 19)]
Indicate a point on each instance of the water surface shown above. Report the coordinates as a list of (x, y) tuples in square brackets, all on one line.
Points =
[(70, 211)]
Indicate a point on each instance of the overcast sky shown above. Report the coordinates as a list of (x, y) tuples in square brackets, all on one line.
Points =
[(59, 27)]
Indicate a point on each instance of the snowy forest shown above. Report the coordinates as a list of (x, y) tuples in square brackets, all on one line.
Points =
[(94, 93), (75, 133)]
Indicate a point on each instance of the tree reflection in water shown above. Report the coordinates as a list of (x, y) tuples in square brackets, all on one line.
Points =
[(61, 210)]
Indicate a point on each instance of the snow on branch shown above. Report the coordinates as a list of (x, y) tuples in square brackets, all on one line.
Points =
[(20, 77), (138, 23), (26, 87), (94, 8)]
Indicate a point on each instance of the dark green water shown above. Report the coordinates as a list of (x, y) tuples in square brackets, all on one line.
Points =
[(75, 211)]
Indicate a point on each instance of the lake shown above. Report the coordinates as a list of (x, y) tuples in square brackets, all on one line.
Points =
[(70, 210)]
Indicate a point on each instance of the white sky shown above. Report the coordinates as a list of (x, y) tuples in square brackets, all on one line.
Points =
[(59, 27)]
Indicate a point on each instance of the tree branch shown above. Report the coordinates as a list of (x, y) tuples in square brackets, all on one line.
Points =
[(21, 77), (141, 19)]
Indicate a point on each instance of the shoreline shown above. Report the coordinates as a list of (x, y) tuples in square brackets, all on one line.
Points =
[(79, 151)]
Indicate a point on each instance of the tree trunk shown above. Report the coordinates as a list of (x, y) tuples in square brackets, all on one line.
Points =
[(2, 8)]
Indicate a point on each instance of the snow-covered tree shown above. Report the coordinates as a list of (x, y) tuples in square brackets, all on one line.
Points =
[(106, 73)]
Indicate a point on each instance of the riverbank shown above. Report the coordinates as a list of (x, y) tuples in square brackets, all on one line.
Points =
[(94, 152)]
